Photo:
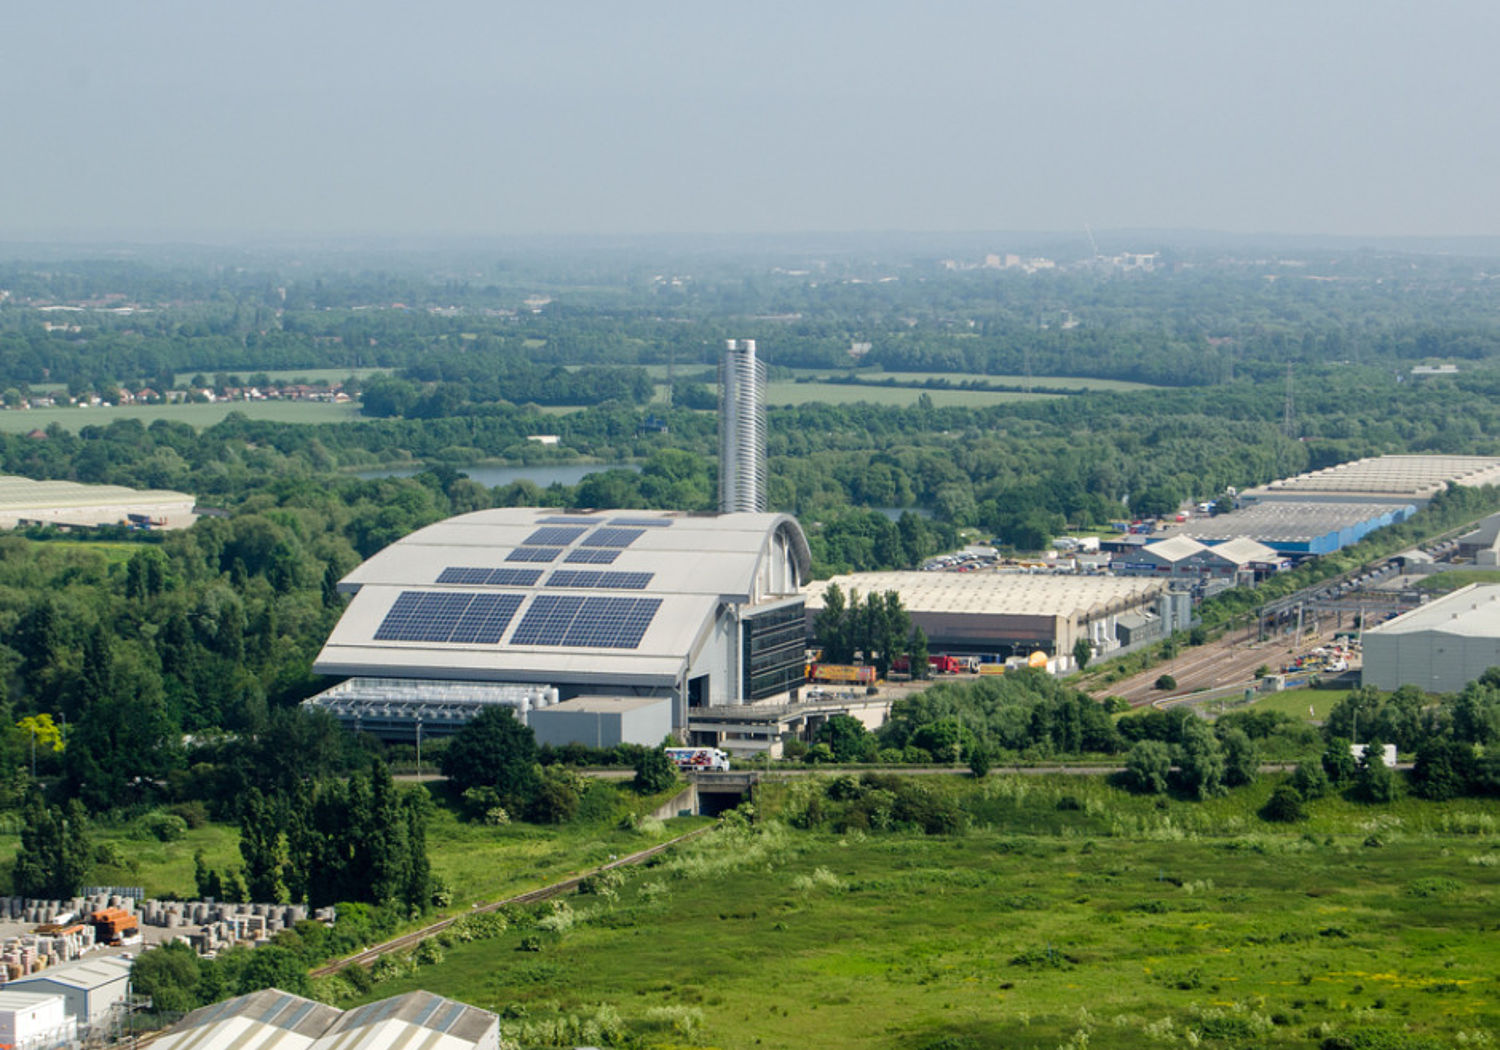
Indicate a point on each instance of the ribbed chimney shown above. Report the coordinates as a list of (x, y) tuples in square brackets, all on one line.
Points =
[(742, 429)]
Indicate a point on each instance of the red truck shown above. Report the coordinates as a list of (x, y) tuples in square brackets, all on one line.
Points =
[(940, 664)]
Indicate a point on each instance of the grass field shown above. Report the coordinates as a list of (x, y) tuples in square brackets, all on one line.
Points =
[(195, 415), (1444, 582), (784, 392), (1070, 916), (1295, 702)]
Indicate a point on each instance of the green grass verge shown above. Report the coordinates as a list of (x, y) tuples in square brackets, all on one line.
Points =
[(20, 421), (1444, 582), (1107, 922)]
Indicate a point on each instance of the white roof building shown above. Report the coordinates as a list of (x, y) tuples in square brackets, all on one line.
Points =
[(277, 1020), (703, 608), (1414, 478), (90, 987), (1008, 613), (35, 1020), (1440, 646), (24, 501)]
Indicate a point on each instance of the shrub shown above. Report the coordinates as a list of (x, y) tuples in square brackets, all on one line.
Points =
[(1166, 682), (1285, 805)]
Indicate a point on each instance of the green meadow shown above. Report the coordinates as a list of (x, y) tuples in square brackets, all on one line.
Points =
[(205, 415), (1067, 915)]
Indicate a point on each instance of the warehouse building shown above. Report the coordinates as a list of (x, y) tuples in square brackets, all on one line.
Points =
[(277, 1020), (1298, 528), (1182, 557), (698, 609), (68, 504), (90, 987), (1439, 647), (1006, 614), (1482, 546), (604, 721), (1381, 479), (35, 1021)]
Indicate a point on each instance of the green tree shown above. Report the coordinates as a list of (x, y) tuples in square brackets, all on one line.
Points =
[(979, 761), (654, 771), (846, 736), (54, 857), (263, 848), (916, 653), (1241, 759), (1374, 781), (1200, 762), (494, 750), (1310, 780), (1083, 652), (1284, 805), (1443, 769), (1147, 766)]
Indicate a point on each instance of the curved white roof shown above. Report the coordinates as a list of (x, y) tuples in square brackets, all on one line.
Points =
[(662, 574)]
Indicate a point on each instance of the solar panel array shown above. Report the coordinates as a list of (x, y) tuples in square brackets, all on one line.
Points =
[(618, 581), (555, 535), (564, 519), (592, 556), (612, 537), (534, 554), (646, 523), (493, 577), (574, 620), (429, 616)]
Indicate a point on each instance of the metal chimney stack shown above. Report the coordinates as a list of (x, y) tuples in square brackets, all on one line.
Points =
[(742, 429)]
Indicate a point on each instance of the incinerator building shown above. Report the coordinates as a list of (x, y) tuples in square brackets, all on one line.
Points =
[(544, 606)]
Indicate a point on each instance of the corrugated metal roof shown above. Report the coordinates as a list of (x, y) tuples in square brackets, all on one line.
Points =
[(87, 974), (1286, 521), (1415, 477), (1472, 611), (277, 1020), (997, 593), (19, 493)]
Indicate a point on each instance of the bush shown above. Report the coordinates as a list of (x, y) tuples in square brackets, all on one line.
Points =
[(1166, 682), (1310, 780), (1147, 766), (1284, 806), (166, 827)]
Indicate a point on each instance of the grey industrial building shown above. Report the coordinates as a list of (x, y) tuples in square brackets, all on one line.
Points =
[(604, 721), (1440, 646), (1013, 613), (277, 1020), (696, 609), (90, 987), (1482, 546), (1184, 557)]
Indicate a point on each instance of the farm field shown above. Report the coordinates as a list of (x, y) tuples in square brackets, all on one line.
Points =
[(1068, 915), (20, 421), (785, 392)]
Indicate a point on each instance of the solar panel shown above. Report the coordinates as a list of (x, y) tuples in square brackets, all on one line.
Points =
[(592, 556), (591, 623), (534, 554), (563, 519), (547, 619), (475, 577), (556, 535), (611, 537), (612, 623), (428, 616), (618, 581), (486, 618), (513, 577), (642, 523)]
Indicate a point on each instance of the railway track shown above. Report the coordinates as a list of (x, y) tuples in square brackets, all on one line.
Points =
[(410, 940)]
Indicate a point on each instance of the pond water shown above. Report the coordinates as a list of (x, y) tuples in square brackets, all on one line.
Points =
[(542, 474)]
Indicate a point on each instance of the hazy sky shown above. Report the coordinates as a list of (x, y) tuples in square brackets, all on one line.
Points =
[(212, 119)]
